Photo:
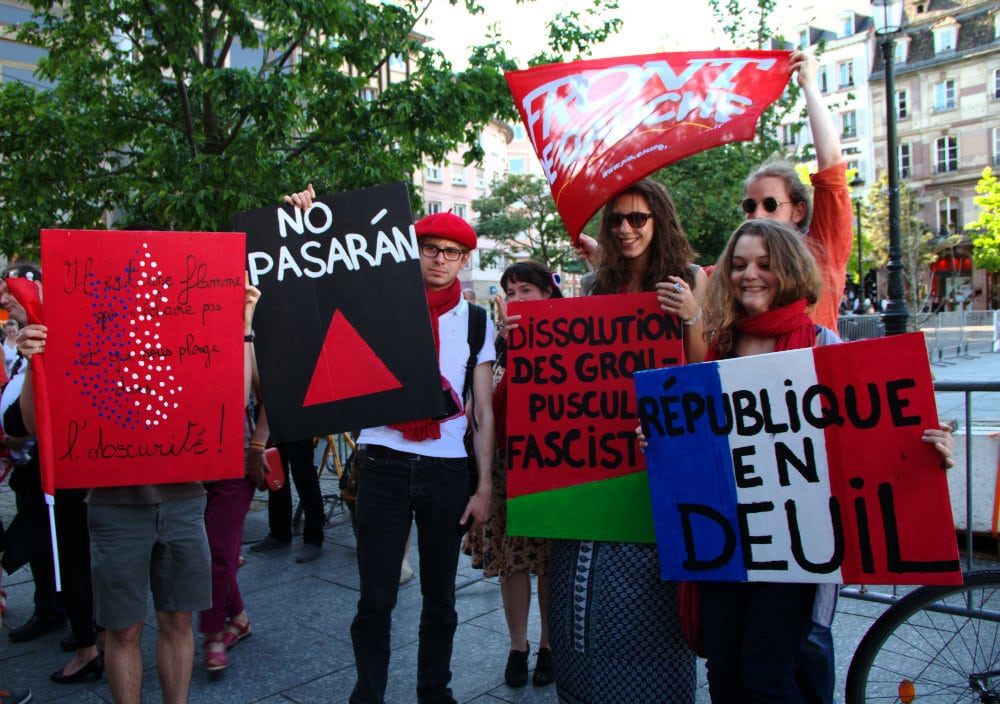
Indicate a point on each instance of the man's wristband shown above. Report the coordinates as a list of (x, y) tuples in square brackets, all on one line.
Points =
[(248, 338)]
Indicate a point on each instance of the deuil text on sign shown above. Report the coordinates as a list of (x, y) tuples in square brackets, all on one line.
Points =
[(800, 466), (574, 469)]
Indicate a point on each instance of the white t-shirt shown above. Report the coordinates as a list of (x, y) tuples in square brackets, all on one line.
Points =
[(453, 331)]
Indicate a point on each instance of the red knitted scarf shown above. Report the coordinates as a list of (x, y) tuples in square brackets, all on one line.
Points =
[(789, 324)]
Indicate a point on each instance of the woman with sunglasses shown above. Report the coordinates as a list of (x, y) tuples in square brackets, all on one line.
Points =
[(774, 191), (614, 623)]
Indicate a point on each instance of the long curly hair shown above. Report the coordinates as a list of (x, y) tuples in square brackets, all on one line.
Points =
[(669, 252), (791, 263)]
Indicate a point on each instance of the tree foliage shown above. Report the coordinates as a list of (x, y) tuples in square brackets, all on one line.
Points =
[(986, 244), (520, 216), (180, 113)]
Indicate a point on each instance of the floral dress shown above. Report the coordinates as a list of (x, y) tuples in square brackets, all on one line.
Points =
[(492, 550)]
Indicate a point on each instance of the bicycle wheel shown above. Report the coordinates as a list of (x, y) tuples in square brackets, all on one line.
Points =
[(936, 644)]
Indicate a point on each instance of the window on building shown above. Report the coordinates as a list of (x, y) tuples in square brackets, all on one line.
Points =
[(944, 95), (459, 210), (787, 134), (845, 74), (945, 39), (519, 132), (803, 38), (369, 94), (904, 160), (457, 175), (996, 84), (996, 26), (849, 124), (824, 83), (480, 178), (996, 146), (396, 62), (946, 155), (433, 206), (900, 49), (518, 166), (847, 25), (432, 173), (902, 104), (949, 215)]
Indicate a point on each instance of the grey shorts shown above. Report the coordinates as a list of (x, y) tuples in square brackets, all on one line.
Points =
[(136, 549)]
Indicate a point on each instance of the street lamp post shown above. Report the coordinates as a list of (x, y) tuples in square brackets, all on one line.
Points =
[(856, 184), (887, 15)]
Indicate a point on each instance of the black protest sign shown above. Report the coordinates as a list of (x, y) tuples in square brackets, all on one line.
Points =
[(343, 334)]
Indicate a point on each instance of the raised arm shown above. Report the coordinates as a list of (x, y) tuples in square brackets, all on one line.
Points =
[(826, 138)]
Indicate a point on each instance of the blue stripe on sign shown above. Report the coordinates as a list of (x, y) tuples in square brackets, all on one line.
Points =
[(690, 473)]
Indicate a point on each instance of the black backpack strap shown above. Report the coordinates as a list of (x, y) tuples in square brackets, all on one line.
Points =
[(476, 338)]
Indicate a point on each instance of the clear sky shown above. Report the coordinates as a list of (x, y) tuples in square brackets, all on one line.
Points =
[(649, 26)]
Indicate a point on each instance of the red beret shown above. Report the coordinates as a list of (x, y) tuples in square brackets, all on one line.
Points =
[(447, 226)]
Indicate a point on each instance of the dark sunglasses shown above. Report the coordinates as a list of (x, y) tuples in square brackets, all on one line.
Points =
[(635, 219), (770, 204)]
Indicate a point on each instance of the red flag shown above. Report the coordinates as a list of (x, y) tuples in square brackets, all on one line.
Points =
[(599, 126), (27, 293)]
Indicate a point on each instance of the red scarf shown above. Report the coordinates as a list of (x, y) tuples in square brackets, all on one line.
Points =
[(789, 324), (438, 303)]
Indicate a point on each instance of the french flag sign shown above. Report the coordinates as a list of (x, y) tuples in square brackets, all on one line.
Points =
[(799, 466)]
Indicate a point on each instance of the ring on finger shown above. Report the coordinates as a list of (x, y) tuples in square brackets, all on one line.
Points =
[(677, 288)]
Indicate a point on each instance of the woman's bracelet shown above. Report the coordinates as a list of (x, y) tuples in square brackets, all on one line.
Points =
[(258, 444), (695, 319)]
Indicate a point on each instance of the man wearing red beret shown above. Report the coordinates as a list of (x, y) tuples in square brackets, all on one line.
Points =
[(420, 469)]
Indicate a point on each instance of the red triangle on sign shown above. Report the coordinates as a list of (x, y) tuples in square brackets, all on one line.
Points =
[(347, 367)]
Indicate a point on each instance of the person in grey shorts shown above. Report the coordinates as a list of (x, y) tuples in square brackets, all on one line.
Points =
[(143, 539)]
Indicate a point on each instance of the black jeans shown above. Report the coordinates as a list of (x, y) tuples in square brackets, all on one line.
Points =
[(297, 457), (754, 633), (391, 493)]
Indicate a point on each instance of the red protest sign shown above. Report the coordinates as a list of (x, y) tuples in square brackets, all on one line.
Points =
[(598, 126), (144, 355), (574, 469)]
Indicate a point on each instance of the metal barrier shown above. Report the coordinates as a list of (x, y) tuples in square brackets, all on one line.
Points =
[(948, 334)]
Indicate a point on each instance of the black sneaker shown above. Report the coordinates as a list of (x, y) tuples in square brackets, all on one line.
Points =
[(543, 669), (516, 674)]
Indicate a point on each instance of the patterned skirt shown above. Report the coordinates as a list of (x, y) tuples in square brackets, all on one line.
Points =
[(498, 554), (614, 627)]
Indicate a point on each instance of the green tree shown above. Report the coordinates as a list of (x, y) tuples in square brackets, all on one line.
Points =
[(182, 113), (520, 215), (986, 243)]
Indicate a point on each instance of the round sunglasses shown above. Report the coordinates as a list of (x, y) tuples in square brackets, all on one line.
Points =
[(770, 204)]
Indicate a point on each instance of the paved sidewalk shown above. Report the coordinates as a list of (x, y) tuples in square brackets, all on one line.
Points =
[(300, 614)]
